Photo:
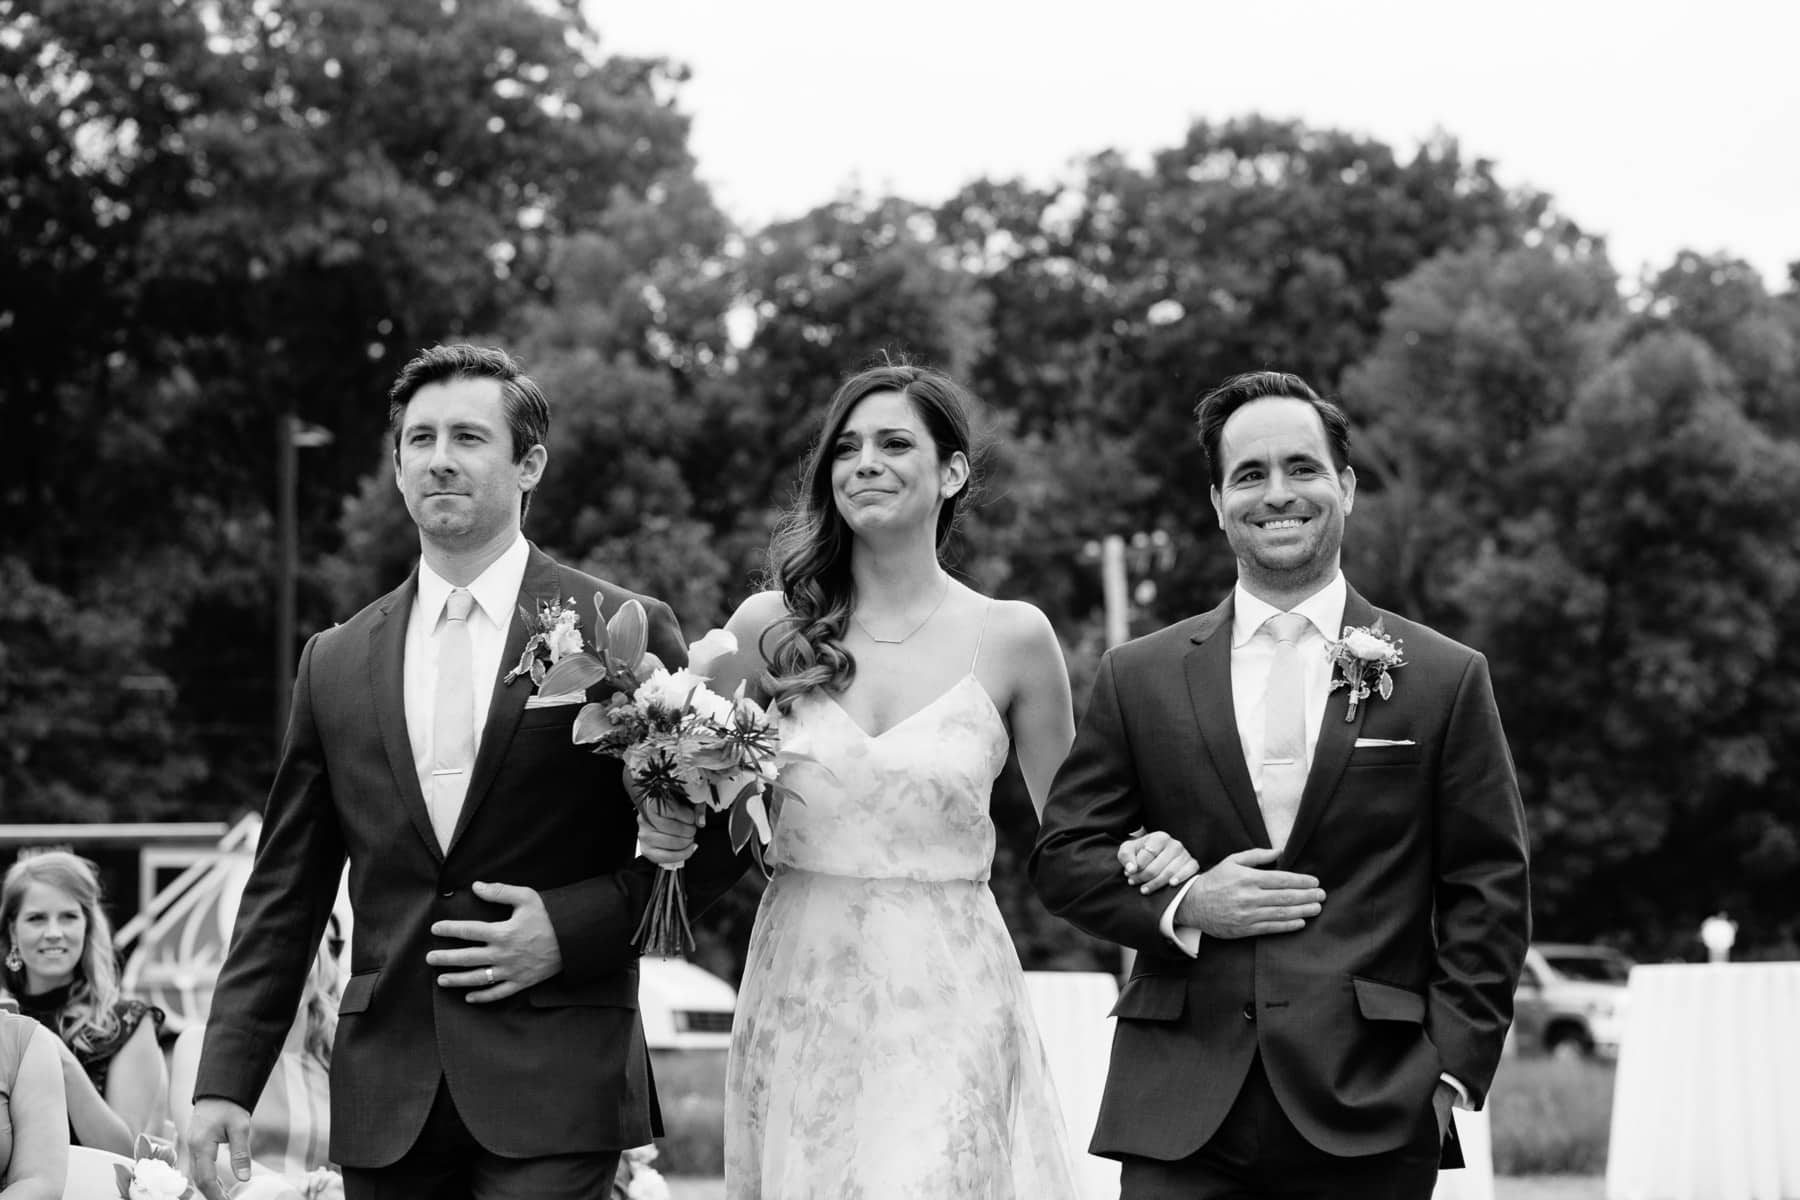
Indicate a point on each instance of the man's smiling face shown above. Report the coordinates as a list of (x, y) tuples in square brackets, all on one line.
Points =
[(1281, 501)]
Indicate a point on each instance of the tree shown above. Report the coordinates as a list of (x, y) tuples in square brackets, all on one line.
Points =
[(1587, 497), (234, 210)]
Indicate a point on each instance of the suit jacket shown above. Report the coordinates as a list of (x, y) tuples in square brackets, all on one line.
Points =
[(1421, 849), (559, 1068)]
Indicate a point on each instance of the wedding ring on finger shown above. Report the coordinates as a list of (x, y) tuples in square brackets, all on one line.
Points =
[(490, 976)]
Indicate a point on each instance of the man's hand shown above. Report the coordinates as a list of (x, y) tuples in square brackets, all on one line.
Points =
[(1240, 897), (1442, 1101), (215, 1122), (508, 956), (667, 833)]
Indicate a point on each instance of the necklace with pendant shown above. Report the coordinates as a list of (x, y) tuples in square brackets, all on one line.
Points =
[(925, 620)]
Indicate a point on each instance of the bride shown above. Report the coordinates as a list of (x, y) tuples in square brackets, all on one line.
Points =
[(883, 1045)]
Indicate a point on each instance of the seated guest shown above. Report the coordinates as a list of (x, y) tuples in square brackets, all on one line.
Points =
[(34, 1125), (290, 1128), (58, 963)]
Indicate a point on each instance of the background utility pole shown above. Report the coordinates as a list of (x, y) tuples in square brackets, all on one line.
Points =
[(1146, 552), (291, 436)]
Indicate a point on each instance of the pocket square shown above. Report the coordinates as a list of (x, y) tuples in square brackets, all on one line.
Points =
[(1370, 743), (557, 700)]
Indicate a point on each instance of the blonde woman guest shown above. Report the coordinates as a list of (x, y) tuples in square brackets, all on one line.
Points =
[(34, 1125), (57, 956), (290, 1127)]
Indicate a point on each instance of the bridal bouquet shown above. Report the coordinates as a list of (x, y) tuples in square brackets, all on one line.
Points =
[(682, 743)]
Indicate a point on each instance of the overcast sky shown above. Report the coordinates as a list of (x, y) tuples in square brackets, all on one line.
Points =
[(1658, 124)]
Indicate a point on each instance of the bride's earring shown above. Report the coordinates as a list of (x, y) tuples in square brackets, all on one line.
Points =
[(13, 962)]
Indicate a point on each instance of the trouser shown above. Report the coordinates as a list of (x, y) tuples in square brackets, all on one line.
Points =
[(447, 1163), (1257, 1153)]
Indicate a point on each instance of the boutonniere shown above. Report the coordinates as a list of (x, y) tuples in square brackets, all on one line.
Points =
[(1362, 654), (152, 1174), (555, 634)]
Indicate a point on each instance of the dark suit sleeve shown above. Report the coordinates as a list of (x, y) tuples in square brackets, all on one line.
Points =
[(1094, 806), (286, 904), (1483, 897), (596, 918)]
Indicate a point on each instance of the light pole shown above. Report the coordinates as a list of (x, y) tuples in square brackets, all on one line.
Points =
[(291, 436), (1119, 560)]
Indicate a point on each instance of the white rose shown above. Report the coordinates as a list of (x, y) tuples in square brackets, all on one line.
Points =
[(704, 655), (667, 691), (154, 1179), (1367, 646), (564, 640)]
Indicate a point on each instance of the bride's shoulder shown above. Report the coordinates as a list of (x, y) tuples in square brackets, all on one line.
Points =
[(1018, 626), (761, 610), (755, 616)]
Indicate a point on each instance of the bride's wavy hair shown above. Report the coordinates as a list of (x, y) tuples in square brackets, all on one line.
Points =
[(809, 555)]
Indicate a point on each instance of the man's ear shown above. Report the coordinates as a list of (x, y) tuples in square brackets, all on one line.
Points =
[(398, 481), (1347, 481), (531, 467), (1218, 509)]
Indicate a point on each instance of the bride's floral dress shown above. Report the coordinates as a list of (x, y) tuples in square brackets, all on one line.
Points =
[(883, 1047)]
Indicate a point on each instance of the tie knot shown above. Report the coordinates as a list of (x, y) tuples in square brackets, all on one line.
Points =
[(457, 607), (1286, 627)]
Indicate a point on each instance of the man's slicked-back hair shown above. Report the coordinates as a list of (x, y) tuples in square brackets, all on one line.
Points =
[(1216, 407), (527, 409)]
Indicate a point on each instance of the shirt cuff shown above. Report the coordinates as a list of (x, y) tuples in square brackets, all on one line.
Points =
[(1185, 938), (1462, 1093)]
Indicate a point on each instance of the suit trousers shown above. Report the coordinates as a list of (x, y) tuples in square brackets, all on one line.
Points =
[(447, 1163), (1257, 1153)]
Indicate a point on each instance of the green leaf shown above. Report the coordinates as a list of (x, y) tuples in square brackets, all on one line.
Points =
[(628, 633), (601, 643), (122, 1173), (575, 673), (592, 723)]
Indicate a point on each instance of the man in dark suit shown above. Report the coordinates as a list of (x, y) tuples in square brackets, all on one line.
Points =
[(488, 1039), (1302, 1016)]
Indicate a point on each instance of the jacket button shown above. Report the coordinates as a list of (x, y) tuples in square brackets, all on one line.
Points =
[(1249, 1010), (448, 894)]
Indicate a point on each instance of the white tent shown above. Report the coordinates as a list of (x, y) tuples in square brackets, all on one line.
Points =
[(177, 944)]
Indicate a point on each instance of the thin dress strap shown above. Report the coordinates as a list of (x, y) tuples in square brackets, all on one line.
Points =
[(981, 636)]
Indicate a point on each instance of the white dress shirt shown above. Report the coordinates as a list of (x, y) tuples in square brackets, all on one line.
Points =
[(1251, 657), (496, 593)]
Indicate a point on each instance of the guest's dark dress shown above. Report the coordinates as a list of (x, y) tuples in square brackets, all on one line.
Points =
[(47, 1008)]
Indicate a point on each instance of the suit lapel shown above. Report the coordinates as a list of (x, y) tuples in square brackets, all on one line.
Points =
[(1337, 738), (542, 583), (387, 679), (1208, 667)]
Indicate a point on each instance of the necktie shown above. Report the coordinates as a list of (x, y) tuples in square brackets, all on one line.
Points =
[(1284, 729), (452, 718)]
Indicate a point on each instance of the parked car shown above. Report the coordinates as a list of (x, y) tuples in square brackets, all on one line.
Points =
[(1571, 1000), (684, 1007)]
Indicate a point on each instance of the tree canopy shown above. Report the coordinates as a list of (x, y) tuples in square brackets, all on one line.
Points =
[(223, 214)]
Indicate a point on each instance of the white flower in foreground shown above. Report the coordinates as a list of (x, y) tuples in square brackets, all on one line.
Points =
[(154, 1179), (705, 655)]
